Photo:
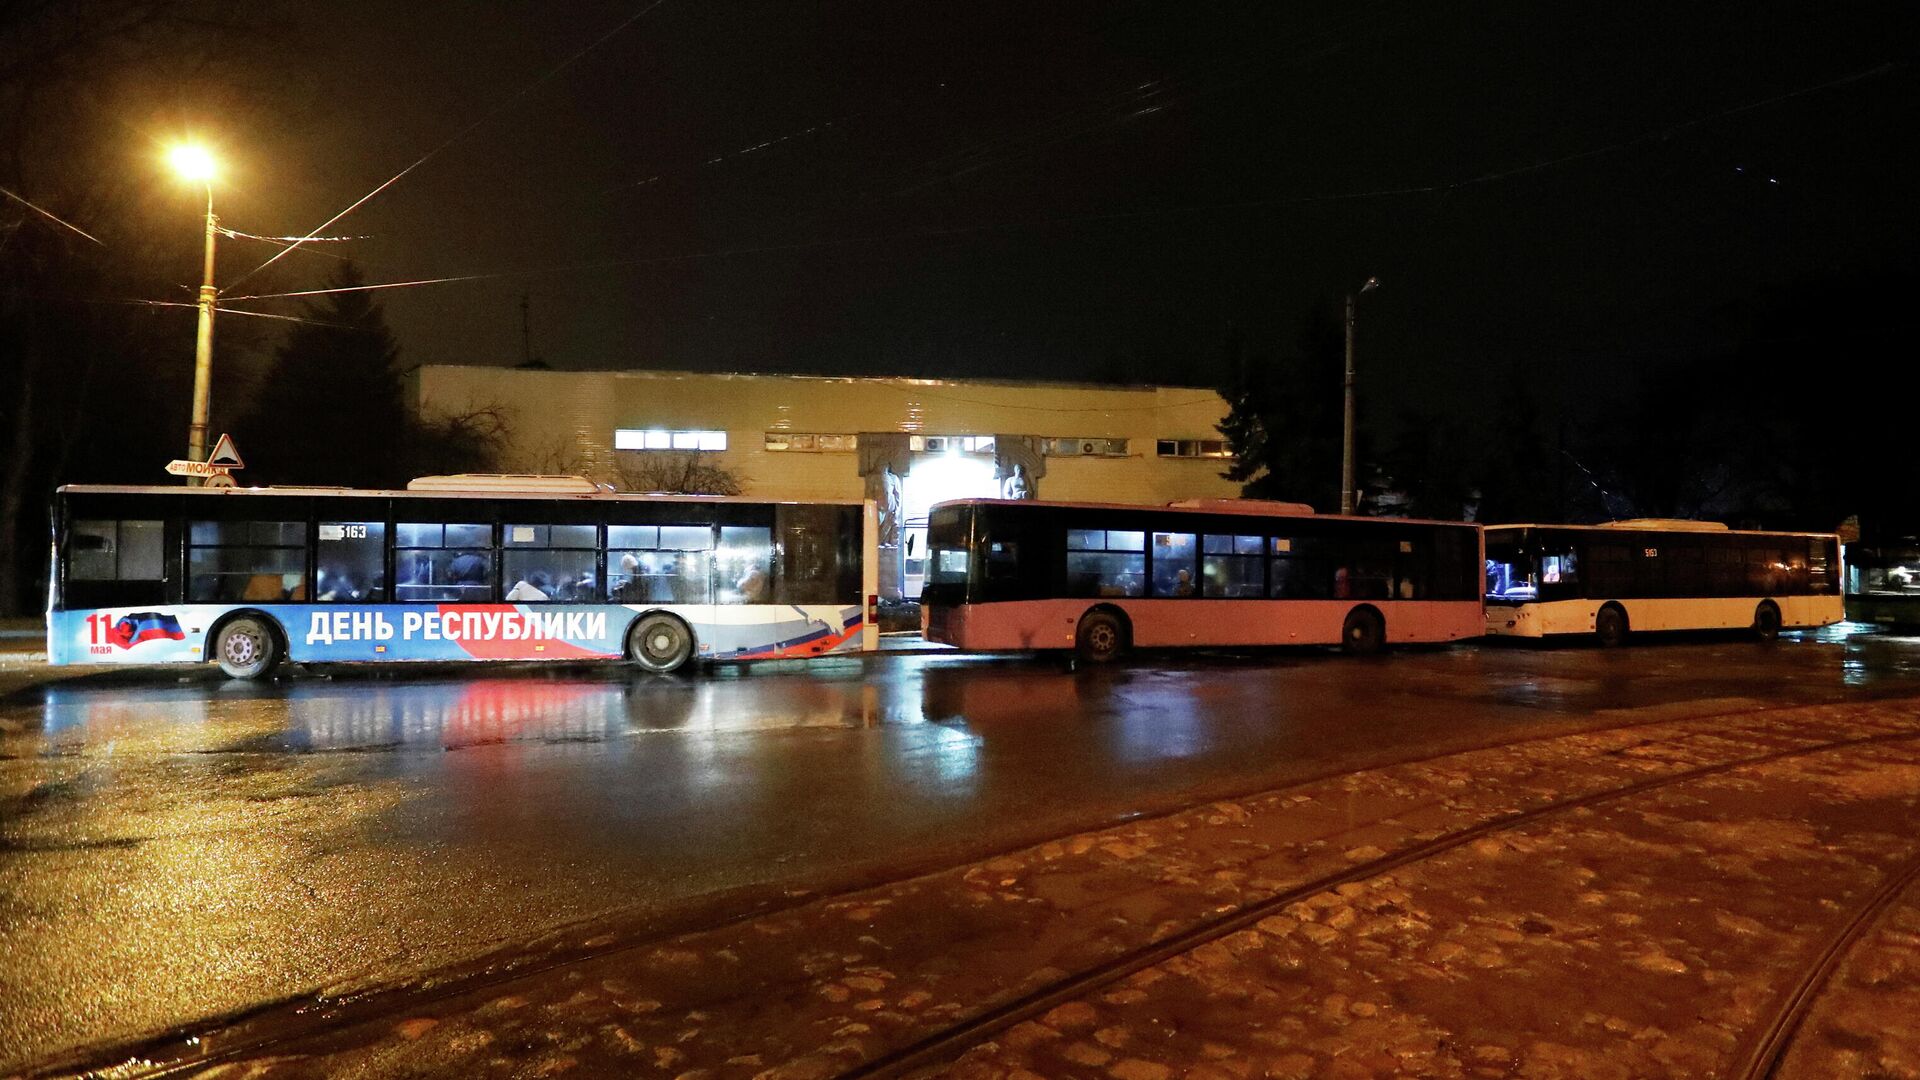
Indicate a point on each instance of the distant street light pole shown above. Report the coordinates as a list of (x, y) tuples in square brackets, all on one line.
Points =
[(1346, 437), (196, 164)]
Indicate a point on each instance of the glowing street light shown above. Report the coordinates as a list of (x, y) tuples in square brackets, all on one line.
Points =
[(195, 163)]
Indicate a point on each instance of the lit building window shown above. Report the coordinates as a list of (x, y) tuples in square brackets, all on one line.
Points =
[(1193, 448), (1085, 447), (951, 444), (661, 439), (810, 443)]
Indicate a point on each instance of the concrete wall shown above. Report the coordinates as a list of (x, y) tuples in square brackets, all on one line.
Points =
[(564, 421)]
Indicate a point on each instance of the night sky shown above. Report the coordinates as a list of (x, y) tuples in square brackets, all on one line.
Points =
[(1084, 191)]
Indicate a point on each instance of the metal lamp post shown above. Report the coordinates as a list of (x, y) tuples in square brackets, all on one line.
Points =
[(1346, 436), (195, 163)]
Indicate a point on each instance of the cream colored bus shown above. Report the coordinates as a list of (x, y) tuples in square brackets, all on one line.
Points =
[(1628, 577)]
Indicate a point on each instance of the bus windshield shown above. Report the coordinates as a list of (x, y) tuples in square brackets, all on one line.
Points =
[(947, 545), (1510, 568)]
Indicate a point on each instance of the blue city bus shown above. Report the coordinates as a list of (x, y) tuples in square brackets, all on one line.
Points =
[(248, 577)]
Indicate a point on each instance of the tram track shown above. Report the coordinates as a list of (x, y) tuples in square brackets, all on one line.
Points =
[(180, 1052), (942, 1047), (1768, 1051)]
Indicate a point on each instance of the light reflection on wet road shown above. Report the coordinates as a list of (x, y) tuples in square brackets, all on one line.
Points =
[(172, 849)]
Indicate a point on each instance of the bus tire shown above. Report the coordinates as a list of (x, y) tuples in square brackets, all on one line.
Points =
[(659, 642), (246, 647), (1766, 621), (1101, 638), (1610, 626), (1364, 633)]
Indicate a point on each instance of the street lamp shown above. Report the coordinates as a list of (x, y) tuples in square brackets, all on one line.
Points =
[(195, 163), (1346, 437)]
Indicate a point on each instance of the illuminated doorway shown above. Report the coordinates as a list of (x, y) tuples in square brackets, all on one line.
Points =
[(938, 475)]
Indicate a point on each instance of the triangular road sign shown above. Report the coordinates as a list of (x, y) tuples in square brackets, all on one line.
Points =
[(224, 453)]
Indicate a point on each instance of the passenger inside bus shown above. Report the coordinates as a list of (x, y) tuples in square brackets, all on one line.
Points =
[(532, 587), (1508, 580)]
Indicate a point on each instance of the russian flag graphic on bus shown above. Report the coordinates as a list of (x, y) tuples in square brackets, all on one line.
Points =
[(136, 627)]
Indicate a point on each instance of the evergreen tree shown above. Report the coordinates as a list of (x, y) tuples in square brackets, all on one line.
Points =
[(1284, 421), (1432, 461), (1523, 476), (333, 407)]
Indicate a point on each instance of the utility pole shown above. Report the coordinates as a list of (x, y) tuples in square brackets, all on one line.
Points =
[(203, 350), (1346, 436), (526, 332)]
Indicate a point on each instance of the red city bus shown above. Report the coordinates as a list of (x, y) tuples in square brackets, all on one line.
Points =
[(1099, 579)]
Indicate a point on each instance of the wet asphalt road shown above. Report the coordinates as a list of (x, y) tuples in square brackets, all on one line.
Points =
[(172, 849)]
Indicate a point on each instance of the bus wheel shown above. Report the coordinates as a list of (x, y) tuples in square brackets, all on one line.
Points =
[(1766, 621), (1610, 626), (1364, 633), (660, 643), (246, 648), (1100, 637)]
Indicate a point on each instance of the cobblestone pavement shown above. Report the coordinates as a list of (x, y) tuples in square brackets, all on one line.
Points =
[(1648, 934), (1863, 1024)]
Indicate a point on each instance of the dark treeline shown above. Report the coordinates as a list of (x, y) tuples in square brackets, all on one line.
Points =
[(93, 384), (1800, 420), (100, 250)]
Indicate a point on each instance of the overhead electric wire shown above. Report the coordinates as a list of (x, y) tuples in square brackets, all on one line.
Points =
[(1673, 129), (228, 311), (720, 159), (1153, 96), (238, 235), (462, 133), (50, 215), (282, 241), (923, 234), (295, 319), (298, 293)]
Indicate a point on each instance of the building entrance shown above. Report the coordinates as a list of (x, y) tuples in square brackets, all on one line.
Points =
[(937, 476)]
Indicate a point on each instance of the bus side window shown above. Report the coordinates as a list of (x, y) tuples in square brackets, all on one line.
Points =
[(1369, 571), (1609, 570), (666, 564), (1106, 562), (350, 562), (549, 562), (1820, 577), (1003, 560), (743, 565), (1687, 569), (113, 562), (1725, 576), (246, 561), (1559, 574), (1300, 569), (1231, 566), (1174, 564), (1764, 567), (436, 562), (115, 550)]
